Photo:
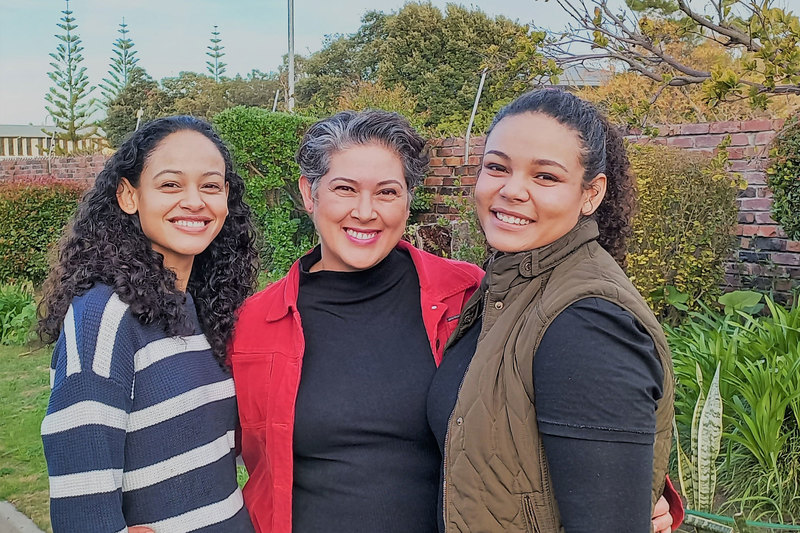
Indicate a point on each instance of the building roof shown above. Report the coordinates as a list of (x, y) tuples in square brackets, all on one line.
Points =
[(576, 75)]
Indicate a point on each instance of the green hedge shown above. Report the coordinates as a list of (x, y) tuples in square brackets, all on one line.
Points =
[(783, 177), (683, 232), (33, 214), (263, 145)]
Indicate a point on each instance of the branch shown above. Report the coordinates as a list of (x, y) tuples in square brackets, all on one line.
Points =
[(735, 36)]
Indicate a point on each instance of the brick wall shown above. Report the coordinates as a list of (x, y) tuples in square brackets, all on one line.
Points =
[(83, 168), (765, 258)]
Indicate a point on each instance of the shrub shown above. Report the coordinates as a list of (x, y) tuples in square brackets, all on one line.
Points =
[(683, 231), (17, 314), (783, 177), (263, 145), (33, 214), (759, 361)]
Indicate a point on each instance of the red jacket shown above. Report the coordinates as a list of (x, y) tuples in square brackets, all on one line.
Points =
[(266, 356)]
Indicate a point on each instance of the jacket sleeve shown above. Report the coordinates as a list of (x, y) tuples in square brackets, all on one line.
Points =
[(83, 431)]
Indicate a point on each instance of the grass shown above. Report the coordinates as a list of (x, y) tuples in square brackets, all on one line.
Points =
[(24, 390)]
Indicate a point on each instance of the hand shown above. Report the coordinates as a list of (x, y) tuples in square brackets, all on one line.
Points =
[(142, 529), (662, 520)]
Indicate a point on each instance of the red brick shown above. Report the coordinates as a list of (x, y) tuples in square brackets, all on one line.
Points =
[(764, 218), (708, 141), (777, 123), (433, 181), (757, 125), (783, 258), (793, 246), (468, 180), (764, 137), (680, 142), (442, 171), (694, 129), (458, 150), (446, 152), (755, 204), (729, 126), (767, 231), (740, 139), (436, 162), (746, 229), (474, 160), (453, 161)]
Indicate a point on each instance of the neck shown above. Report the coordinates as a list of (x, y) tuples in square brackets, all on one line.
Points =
[(182, 270)]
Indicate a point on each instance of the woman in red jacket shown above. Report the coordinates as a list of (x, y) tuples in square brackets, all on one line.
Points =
[(332, 363)]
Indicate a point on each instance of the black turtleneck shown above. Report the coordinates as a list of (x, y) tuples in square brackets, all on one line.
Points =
[(365, 459)]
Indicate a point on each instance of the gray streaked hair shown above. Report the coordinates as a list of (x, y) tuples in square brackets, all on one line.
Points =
[(350, 128)]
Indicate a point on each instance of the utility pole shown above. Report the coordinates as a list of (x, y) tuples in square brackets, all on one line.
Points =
[(291, 56)]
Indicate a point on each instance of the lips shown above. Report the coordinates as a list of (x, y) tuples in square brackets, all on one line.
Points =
[(512, 219), (191, 224)]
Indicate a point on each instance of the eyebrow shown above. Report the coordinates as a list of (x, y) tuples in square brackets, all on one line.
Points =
[(379, 184), (180, 172), (541, 162)]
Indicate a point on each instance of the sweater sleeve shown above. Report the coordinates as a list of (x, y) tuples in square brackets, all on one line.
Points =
[(597, 379), (83, 431)]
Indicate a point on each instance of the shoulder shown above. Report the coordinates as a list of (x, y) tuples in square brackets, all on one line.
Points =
[(440, 271)]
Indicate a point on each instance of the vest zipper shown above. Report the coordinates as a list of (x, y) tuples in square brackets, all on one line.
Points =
[(450, 419), (530, 516)]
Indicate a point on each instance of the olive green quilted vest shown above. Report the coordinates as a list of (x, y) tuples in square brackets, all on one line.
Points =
[(496, 474)]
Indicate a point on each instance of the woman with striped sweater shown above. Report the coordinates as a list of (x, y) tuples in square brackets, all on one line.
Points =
[(140, 425)]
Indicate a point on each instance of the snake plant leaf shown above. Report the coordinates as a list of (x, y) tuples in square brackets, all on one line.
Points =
[(709, 438), (685, 469)]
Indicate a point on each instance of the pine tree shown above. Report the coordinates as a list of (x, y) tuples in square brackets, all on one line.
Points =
[(70, 103), (216, 67), (122, 64)]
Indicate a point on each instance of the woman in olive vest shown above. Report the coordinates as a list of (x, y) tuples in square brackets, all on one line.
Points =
[(553, 404)]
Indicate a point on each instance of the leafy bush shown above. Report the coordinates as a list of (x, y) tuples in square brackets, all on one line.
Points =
[(17, 314), (33, 213), (759, 361), (783, 177), (684, 229), (263, 145)]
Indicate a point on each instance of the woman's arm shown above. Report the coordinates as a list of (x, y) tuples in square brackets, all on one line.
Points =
[(597, 379), (84, 430)]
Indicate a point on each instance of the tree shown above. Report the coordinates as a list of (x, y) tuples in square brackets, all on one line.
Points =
[(760, 40), (141, 92), (215, 67), (70, 103), (436, 56), (123, 61)]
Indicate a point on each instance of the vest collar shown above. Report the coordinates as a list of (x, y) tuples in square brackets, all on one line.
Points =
[(504, 268)]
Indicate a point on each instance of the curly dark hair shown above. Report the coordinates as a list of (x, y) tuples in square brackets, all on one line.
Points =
[(103, 244), (602, 151)]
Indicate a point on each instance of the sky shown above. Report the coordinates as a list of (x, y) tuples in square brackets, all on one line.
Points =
[(171, 36)]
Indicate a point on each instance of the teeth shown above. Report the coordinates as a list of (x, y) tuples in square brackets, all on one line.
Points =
[(190, 223), (512, 220), (361, 236)]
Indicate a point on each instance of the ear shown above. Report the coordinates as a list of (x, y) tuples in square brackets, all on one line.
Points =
[(593, 194), (305, 191), (126, 197)]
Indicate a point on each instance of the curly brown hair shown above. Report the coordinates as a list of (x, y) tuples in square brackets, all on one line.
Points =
[(105, 245), (603, 151)]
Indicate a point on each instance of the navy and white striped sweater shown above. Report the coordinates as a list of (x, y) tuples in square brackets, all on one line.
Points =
[(140, 427)]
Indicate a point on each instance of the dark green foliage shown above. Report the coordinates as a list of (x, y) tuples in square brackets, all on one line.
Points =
[(140, 92), (123, 62), (33, 214), (17, 314), (783, 177), (263, 145), (69, 97)]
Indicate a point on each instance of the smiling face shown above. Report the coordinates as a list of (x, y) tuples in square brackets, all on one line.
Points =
[(181, 198), (530, 189), (360, 207)]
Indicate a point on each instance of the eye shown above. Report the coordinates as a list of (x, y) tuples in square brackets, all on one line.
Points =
[(170, 185), (212, 187), (547, 177), (494, 167), (344, 189), (389, 192)]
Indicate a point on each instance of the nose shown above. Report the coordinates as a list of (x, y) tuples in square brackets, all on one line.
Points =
[(514, 188), (192, 199), (363, 210)]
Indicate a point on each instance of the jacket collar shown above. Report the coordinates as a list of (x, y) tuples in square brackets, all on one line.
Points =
[(438, 278), (504, 268)]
